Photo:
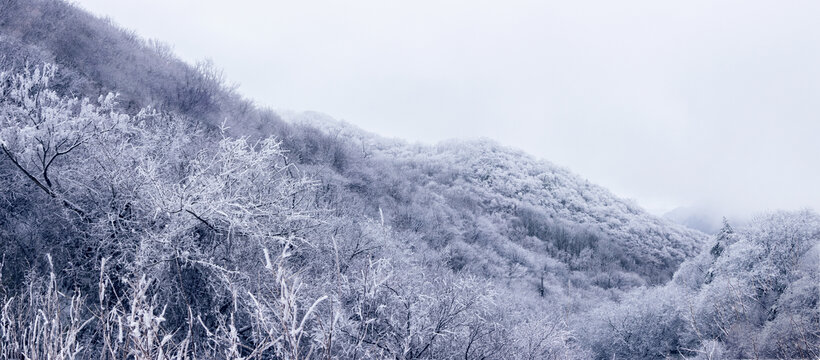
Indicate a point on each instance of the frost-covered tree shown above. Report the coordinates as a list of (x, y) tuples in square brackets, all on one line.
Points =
[(38, 128)]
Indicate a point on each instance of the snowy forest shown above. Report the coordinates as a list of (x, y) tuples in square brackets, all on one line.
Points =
[(148, 211)]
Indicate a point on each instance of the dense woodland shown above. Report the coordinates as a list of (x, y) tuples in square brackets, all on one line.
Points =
[(149, 211)]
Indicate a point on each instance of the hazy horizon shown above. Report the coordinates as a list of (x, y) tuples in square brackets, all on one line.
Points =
[(697, 104)]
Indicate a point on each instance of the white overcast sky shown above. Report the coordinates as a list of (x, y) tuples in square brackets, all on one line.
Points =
[(711, 103)]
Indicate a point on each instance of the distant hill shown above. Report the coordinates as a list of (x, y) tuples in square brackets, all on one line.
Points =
[(529, 198), (706, 219), (700, 219)]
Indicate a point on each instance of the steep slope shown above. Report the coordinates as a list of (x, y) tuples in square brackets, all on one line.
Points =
[(520, 197), (97, 57)]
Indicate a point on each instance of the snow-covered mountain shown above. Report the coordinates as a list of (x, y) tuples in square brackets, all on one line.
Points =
[(146, 196)]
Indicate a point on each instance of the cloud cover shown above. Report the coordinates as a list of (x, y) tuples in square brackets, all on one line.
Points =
[(690, 103)]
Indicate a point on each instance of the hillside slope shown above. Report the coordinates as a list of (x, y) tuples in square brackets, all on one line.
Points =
[(471, 180), (497, 194), (179, 194)]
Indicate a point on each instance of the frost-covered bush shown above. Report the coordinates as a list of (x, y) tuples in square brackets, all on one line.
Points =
[(646, 324)]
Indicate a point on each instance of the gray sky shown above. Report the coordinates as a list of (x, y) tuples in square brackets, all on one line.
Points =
[(709, 103)]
